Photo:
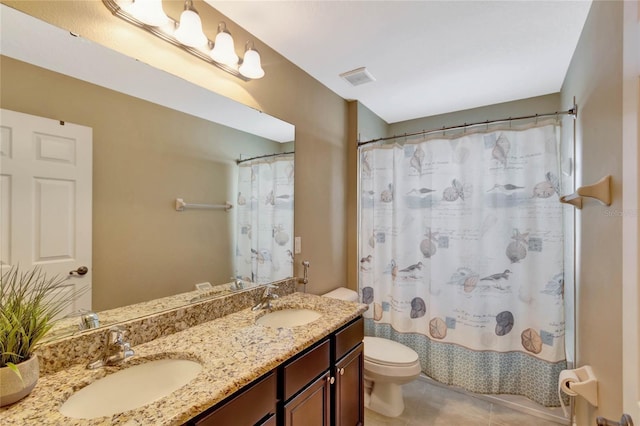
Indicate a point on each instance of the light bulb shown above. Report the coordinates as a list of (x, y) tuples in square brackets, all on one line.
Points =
[(148, 11), (223, 49), (189, 30), (251, 67)]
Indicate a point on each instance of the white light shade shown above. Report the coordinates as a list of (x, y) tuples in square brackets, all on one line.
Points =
[(149, 11), (251, 67), (189, 30), (224, 51)]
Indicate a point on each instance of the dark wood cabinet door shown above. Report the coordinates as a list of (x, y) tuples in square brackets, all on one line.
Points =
[(349, 389), (312, 406), (271, 421), (247, 408)]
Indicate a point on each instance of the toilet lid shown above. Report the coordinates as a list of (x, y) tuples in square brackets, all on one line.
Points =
[(388, 352)]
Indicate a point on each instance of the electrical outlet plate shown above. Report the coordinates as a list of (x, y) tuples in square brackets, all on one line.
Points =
[(204, 286)]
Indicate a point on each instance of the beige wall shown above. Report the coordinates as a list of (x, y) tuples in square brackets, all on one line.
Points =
[(595, 79), (370, 126), (363, 124), (523, 107), (320, 117), (145, 156)]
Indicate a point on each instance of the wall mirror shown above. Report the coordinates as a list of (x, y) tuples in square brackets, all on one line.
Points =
[(156, 138)]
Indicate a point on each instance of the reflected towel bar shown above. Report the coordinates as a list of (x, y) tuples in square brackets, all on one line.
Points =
[(181, 205)]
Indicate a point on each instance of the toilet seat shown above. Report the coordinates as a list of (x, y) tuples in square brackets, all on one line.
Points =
[(385, 352)]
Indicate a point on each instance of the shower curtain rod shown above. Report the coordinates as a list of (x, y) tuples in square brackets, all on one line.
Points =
[(573, 111), (264, 156)]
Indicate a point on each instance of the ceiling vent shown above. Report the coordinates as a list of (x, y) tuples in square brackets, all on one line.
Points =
[(358, 76)]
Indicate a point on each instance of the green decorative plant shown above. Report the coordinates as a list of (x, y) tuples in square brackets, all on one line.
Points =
[(29, 303)]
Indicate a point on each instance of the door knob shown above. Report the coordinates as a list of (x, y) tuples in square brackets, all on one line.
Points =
[(80, 271), (341, 371)]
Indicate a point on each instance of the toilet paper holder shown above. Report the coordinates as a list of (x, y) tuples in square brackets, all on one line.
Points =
[(580, 381)]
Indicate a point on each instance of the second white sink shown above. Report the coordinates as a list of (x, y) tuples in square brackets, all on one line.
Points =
[(130, 388), (288, 318)]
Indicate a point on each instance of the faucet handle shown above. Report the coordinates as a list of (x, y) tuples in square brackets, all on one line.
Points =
[(116, 335), (127, 351), (267, 290), (88, 320)]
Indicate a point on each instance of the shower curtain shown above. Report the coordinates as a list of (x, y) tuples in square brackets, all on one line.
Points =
[(461, 257), (264, 250)]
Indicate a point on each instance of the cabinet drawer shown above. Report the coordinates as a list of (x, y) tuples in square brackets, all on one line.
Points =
[(247, 408), (349, 337), (304, 369)]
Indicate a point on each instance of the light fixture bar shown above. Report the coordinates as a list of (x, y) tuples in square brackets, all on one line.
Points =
[(118, 11)]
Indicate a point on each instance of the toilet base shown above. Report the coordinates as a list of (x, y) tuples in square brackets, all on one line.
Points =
[(384, 398)]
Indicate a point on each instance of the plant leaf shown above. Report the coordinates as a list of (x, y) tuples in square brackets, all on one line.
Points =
[(14, 368)]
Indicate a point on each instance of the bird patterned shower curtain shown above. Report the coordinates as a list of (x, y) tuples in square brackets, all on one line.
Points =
[(461, 257), (264, 243)]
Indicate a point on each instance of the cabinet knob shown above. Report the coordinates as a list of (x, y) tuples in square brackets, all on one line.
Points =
[(341, 371), (331, 380)]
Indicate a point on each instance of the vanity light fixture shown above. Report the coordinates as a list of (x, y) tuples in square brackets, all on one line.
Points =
[(148, 11), (189, 31), (251, 67), (223, 49), (187, 34)]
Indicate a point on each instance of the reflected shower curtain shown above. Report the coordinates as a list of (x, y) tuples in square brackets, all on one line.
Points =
[(264, 250), (461, 257)]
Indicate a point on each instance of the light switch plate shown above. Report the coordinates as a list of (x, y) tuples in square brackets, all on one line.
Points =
[(297, 245)]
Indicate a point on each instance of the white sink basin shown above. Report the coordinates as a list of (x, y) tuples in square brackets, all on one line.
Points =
[(288, 318), (130, 388)]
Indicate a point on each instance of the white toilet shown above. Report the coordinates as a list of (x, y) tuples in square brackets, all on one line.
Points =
[(387, 366)]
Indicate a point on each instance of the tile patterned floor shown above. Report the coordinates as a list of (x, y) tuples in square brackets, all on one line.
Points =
[(431, 405)]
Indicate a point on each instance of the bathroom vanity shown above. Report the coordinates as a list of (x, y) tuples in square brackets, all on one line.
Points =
[(321, 385), (251, 373)]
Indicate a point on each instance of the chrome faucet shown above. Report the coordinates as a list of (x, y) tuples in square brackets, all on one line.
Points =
[(236, 283), (88, 320), (267, 297), (116, 349)]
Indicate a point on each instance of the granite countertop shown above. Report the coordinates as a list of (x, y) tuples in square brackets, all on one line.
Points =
[(233, 351), (69, 326)]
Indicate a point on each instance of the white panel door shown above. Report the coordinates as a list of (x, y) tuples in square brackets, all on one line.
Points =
[(45, 198)]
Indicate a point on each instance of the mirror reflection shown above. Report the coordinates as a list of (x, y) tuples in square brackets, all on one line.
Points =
[(264, 250), (155, 138)]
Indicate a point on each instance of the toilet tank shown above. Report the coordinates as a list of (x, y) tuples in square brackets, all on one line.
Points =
[(342, 293)]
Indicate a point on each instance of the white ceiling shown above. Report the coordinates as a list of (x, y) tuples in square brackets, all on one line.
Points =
[(428, 57)]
